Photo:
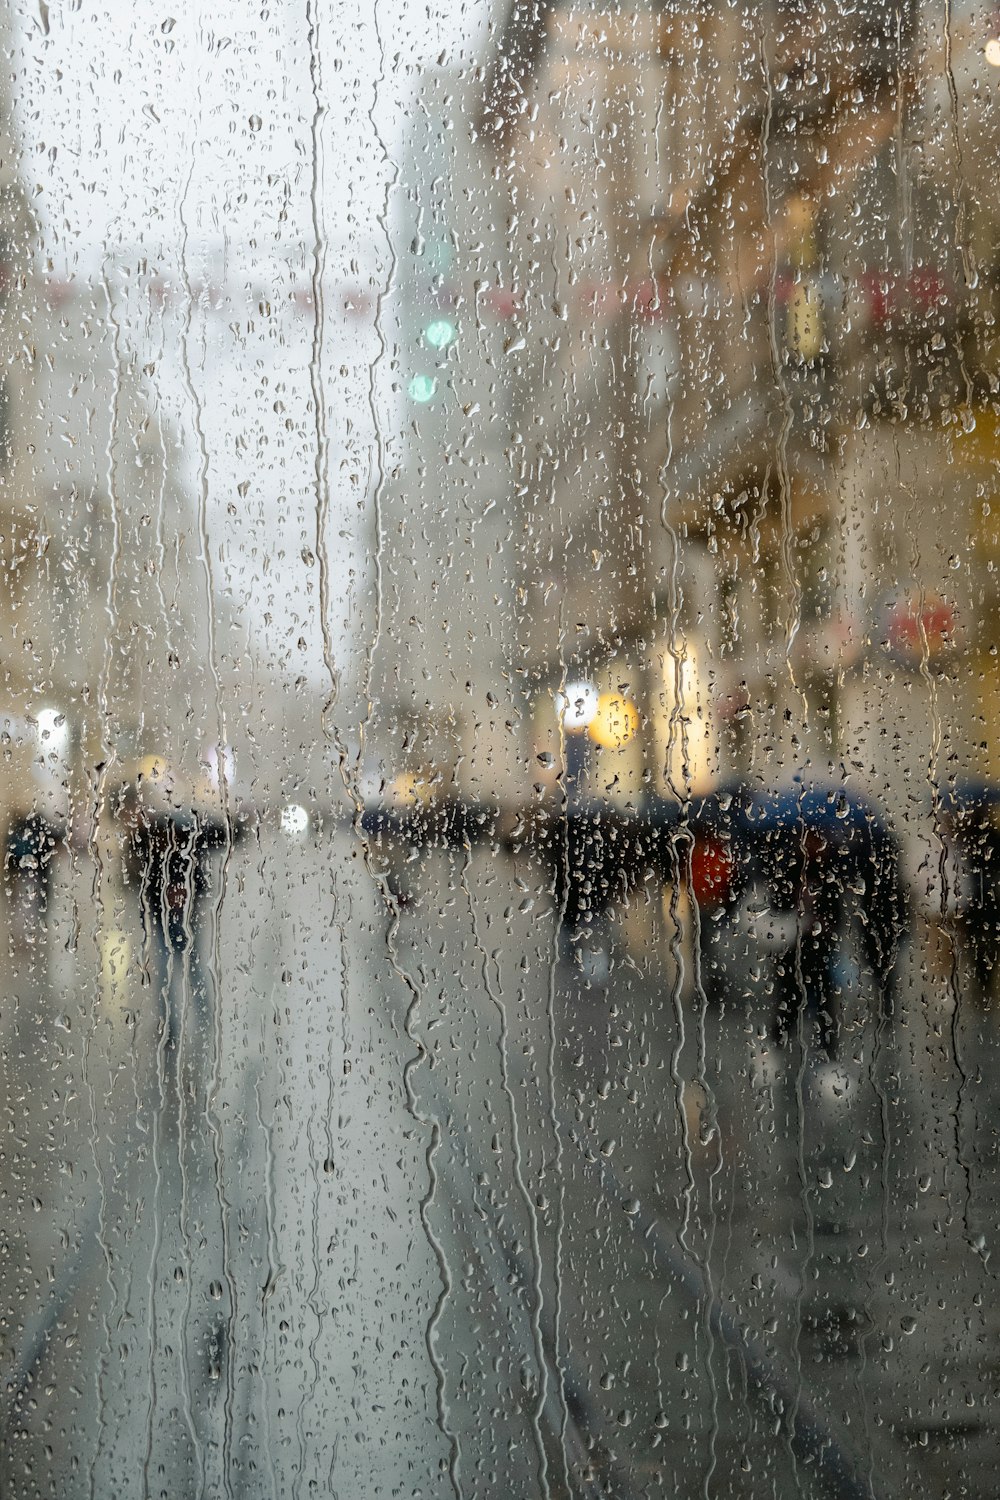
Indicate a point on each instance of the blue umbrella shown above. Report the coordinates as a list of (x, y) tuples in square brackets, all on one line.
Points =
[(830, 810)]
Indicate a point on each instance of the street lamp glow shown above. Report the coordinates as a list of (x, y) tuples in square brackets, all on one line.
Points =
[(421, 388), (615, 721), (53, 731), (577, 706), (992, 50), (294, 819), (440, 333)]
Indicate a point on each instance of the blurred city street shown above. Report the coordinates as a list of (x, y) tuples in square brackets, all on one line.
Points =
[(500, 729)]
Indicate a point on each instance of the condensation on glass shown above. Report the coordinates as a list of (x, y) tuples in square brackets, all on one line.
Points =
[(501, 799)]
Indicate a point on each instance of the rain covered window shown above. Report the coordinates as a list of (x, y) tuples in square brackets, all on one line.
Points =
[(499, 511)]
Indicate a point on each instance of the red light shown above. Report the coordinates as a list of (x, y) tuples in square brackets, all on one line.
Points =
[(711, 872)]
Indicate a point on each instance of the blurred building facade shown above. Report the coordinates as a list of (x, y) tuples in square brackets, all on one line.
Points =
[(727, 301), (104, 606)]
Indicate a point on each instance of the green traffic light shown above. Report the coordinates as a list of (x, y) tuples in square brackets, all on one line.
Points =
[(421, 388), (440, 333)]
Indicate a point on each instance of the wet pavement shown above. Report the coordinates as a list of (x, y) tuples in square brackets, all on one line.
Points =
[(427, 1205)]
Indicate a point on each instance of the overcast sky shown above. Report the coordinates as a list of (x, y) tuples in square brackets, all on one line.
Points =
[(134, 112), (174, 146)]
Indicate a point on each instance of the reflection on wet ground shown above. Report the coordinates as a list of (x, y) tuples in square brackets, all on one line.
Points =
[(488, 1216)]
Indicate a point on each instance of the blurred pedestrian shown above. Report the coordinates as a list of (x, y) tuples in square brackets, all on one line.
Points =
[(828, 859), (980, 836), (169, 833), (32, 841), (955, 883)]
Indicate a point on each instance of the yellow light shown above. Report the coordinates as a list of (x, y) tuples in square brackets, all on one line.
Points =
[(615, 722), (410, 790), (152, 768), (992, 50)]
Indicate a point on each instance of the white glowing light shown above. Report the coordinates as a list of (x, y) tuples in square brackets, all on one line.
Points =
[(294, 819), (577, 706), (992, 50), (53, 731)]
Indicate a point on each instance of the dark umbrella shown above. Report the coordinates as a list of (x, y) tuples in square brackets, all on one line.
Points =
[(830, 810), (967, 794)]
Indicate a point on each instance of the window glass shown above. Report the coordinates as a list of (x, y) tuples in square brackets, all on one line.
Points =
[(501, 798)]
